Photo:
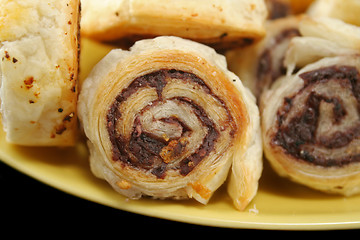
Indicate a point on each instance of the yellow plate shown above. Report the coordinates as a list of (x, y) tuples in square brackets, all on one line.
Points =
[(279, 204)]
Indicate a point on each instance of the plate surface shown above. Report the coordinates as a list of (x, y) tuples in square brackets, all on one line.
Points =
[(279, 204)]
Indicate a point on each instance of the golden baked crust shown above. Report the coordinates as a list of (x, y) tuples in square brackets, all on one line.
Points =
[(216, 22), (39, 49), (179, 119)]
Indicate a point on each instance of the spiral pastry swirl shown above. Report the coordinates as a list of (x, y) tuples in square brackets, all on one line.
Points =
[(311, 126), (170, 131), (167, 120)]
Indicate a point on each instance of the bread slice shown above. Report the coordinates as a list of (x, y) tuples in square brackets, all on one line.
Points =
[(219, 23), (39, 56)]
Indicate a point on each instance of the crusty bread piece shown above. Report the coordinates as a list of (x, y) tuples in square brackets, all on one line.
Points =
[(39, 54), (220, 23)]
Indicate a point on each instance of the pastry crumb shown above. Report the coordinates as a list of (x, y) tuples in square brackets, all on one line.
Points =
[(254, 210)]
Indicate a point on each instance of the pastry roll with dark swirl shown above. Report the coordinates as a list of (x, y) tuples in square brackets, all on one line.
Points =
[(168, 120), (311, 120)]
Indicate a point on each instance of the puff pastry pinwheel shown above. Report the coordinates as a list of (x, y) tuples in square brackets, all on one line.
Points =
[(311, 118), (168, 120), (219, 23), (38, 71), (260, 64)]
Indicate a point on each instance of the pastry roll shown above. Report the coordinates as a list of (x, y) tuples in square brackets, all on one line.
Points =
[(311, 119), (168, 120), (259, 65), (220, 23), (347, 11), (38, 69)]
